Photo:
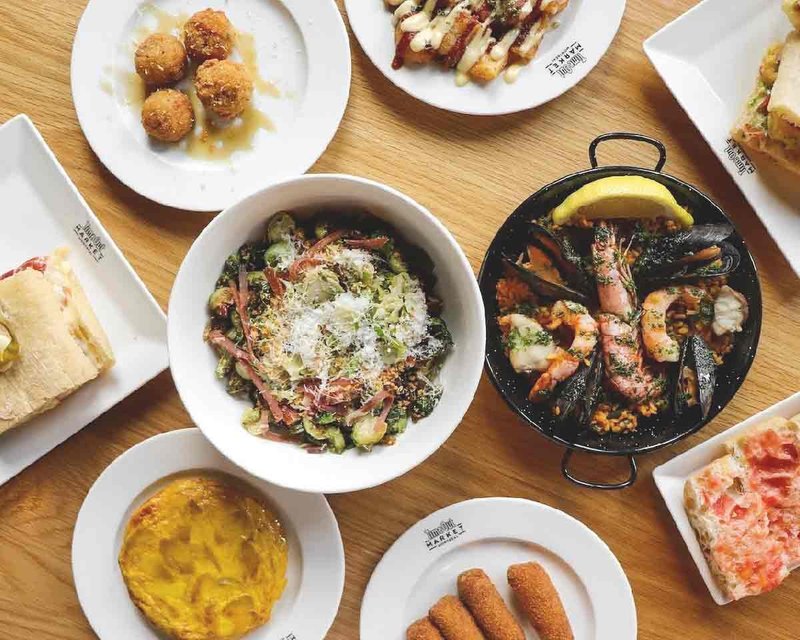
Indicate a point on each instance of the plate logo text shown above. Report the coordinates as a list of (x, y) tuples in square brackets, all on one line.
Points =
[(739, 158), (446, 532), (566, 61), (91, 240)]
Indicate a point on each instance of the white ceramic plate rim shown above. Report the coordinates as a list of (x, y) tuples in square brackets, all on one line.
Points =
[(94, 544), (326, 96), (708, 112), (182, 371), (594, 27), (671, 477), (35, 439), (508, 518)]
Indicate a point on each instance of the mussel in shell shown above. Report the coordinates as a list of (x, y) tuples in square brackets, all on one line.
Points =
[(578, 396), (695, 378), (698, 252), (562, 253), (544, 287)]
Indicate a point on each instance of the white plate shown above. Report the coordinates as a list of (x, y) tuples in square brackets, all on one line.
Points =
[(491, 534), (712, 77), (42, 211), (567, 55), (219, 415), (315, 573), (671, 477), (302, 48)]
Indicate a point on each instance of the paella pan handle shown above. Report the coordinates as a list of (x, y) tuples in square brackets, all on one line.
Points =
[(598, 485), (638, 137)]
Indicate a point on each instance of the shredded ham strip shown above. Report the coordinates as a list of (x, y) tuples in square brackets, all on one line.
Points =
[(308, 258), (219, 339), (274, 282), (242, 298), (37, 264), (369, 405), (367, 243), (264, 391)]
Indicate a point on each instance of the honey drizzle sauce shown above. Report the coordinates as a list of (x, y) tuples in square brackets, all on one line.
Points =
[(211, 139)]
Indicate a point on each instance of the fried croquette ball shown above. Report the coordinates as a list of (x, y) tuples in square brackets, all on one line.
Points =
[(208, 35), (224, 87), (160, 60), (167, 115)]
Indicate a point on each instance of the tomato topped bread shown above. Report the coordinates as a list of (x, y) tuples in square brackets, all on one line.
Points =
[(745, 508)]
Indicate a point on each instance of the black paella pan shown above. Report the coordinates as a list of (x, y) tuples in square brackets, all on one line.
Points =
[(654, 432)]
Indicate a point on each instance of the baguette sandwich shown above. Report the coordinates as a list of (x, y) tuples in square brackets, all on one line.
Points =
[(770, 123), (792, 10), (745, 508), (51, 343)]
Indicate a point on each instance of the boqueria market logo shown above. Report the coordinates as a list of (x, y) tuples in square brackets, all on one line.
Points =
[(91, 240), (566, 61), (739, 158), (446, 532)]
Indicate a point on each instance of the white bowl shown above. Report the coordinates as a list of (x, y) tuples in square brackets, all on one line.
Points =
[(219, 415)]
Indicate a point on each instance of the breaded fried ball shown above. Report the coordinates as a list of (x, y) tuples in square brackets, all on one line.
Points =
[(224, 87), (167, 115), (160, 60), (208, 35)]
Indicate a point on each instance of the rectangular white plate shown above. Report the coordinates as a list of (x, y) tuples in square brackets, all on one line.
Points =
[(709, 59), (671, 477), (43, 210)]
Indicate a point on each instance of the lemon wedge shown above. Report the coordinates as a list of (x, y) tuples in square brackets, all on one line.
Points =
[(622, 197)]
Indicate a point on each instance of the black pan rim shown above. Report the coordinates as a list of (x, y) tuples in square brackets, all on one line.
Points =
[(756, 316)]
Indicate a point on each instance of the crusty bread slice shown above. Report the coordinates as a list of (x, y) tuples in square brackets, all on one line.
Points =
[(756, 141), (87, 328), (744, 557), (51, 364), (792, 10), (736, 446)]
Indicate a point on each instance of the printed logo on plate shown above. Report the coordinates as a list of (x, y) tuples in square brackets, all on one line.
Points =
[(91, 240), (291, 636), (566, 61), (739, 158), (446, 532)]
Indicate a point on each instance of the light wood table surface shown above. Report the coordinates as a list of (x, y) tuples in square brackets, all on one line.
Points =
[(475, 173)]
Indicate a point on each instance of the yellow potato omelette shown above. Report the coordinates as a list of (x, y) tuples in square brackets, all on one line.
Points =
[(204, 558)]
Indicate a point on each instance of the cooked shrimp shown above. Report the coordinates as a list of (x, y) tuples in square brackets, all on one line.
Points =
[(660, 346), (529, 345), (615, 285), (622, 355), (563, 363), (730, 311)]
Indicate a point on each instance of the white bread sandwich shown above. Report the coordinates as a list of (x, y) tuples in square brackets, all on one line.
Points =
[(792, 10), (51, 343), (770, 123)]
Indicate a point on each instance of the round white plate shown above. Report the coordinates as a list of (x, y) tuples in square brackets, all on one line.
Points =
[(219, 414), (567, 54), (315, 573), (302, 48), (491, 534)]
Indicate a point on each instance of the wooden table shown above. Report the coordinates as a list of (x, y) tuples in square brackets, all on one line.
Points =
[(492, 453)]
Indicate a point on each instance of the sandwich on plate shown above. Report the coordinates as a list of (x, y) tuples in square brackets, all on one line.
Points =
[(770, 123), (51, 343), (745, 509), (792, 9)]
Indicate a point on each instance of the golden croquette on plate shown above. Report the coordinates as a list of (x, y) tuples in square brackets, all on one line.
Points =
[(224, 87), (167, 115), (160, 60), (209, 35)]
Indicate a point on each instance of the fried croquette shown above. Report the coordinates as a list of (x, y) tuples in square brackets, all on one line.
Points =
[(224, 87), (480, 596), (160, 60), (540, 601), (208, 35), (423, 630), (453, 620), (167, 115)]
